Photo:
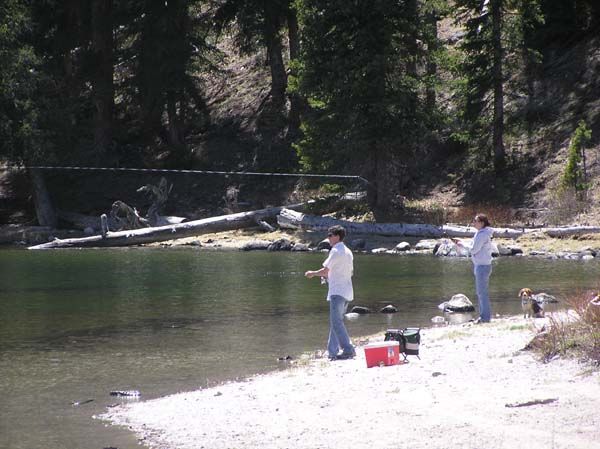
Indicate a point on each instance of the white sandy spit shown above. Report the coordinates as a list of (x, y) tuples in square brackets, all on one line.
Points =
[(455, 396)]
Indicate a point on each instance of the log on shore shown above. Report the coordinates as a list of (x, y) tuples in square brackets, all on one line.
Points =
[(170, 232), (82, 221), (567, 231), (290, 219)]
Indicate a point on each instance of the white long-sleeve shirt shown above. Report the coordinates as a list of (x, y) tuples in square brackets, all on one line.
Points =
[(340, 263)]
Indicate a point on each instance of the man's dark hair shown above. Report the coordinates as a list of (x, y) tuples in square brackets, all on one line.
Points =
[(337, 230)]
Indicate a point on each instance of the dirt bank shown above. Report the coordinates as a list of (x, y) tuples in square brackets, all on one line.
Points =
[(455, 396)]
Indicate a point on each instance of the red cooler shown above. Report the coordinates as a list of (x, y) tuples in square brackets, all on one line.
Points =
[(384, 353)]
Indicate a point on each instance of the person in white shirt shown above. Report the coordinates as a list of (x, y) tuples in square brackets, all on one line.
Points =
[(338, 269)]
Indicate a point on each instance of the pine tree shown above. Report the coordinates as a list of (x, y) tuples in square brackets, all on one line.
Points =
[(358, 75), (575, 174), (496, 43)]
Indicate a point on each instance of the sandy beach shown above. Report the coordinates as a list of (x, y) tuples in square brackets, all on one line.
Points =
[(463, 392)]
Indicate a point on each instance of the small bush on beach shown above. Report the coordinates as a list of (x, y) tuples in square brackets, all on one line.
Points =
[(575, 334)]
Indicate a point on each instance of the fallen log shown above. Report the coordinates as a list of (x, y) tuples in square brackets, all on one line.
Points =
[(83, 222), (567, 231), (169, 232), (290, 219)]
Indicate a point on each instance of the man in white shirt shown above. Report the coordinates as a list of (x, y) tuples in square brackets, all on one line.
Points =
[(338, 269)]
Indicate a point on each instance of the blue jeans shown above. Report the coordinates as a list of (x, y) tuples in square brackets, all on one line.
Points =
[(482, 281), (338, 335)]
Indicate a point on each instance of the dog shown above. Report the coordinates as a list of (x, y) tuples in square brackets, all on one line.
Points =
[(529, 305)]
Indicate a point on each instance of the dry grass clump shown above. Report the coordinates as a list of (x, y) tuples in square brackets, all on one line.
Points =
[(576, 333), (499, 215)]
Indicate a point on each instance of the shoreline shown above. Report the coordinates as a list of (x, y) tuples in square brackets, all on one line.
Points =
[(454, 396), (533, 246)]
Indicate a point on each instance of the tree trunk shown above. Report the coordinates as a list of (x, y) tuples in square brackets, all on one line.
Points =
[(294, 116), (498, 120), (275, 57), (170, 232), (431, 68), (412, 11), (150, 69), (44, 210), (102, 87), (175, 128)]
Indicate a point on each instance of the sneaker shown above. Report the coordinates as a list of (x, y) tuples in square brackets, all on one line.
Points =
[(480, 321), (346, 356)]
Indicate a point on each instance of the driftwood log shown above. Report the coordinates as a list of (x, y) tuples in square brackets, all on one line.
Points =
[(82, 221), (290, 219), (163, 233)]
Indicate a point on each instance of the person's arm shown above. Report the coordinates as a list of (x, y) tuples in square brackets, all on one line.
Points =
[(323, 272)]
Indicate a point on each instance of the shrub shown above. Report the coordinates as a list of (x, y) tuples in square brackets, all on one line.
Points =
[(576, 334), (574, 176)]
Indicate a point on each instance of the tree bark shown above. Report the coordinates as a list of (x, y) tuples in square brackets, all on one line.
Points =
[(498, 120), (44, 209), (150, 69), (102, 86), (275, 56), (432, 34), (294, 115)]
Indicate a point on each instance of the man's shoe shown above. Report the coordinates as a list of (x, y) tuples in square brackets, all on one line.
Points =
[(347, 356)]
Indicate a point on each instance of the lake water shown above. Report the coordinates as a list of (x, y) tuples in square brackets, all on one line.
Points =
[(76, 324)]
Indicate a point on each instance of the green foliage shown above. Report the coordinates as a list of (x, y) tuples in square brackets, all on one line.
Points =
[(519, 20), (574, 175), (21, 137), (354, 75)]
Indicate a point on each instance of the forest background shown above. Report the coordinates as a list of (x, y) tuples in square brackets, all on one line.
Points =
[(439, 105)]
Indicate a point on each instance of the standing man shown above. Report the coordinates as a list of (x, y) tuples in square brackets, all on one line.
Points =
[(338, 269)]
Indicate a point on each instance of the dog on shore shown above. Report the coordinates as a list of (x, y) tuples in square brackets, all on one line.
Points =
[(529, 304)]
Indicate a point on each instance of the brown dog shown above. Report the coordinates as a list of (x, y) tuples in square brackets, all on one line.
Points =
[(529, 305)]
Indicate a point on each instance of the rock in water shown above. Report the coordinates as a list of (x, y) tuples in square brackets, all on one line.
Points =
[(360, 310), (458, 303), (544, 298), (389, 309), (128, 393)]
